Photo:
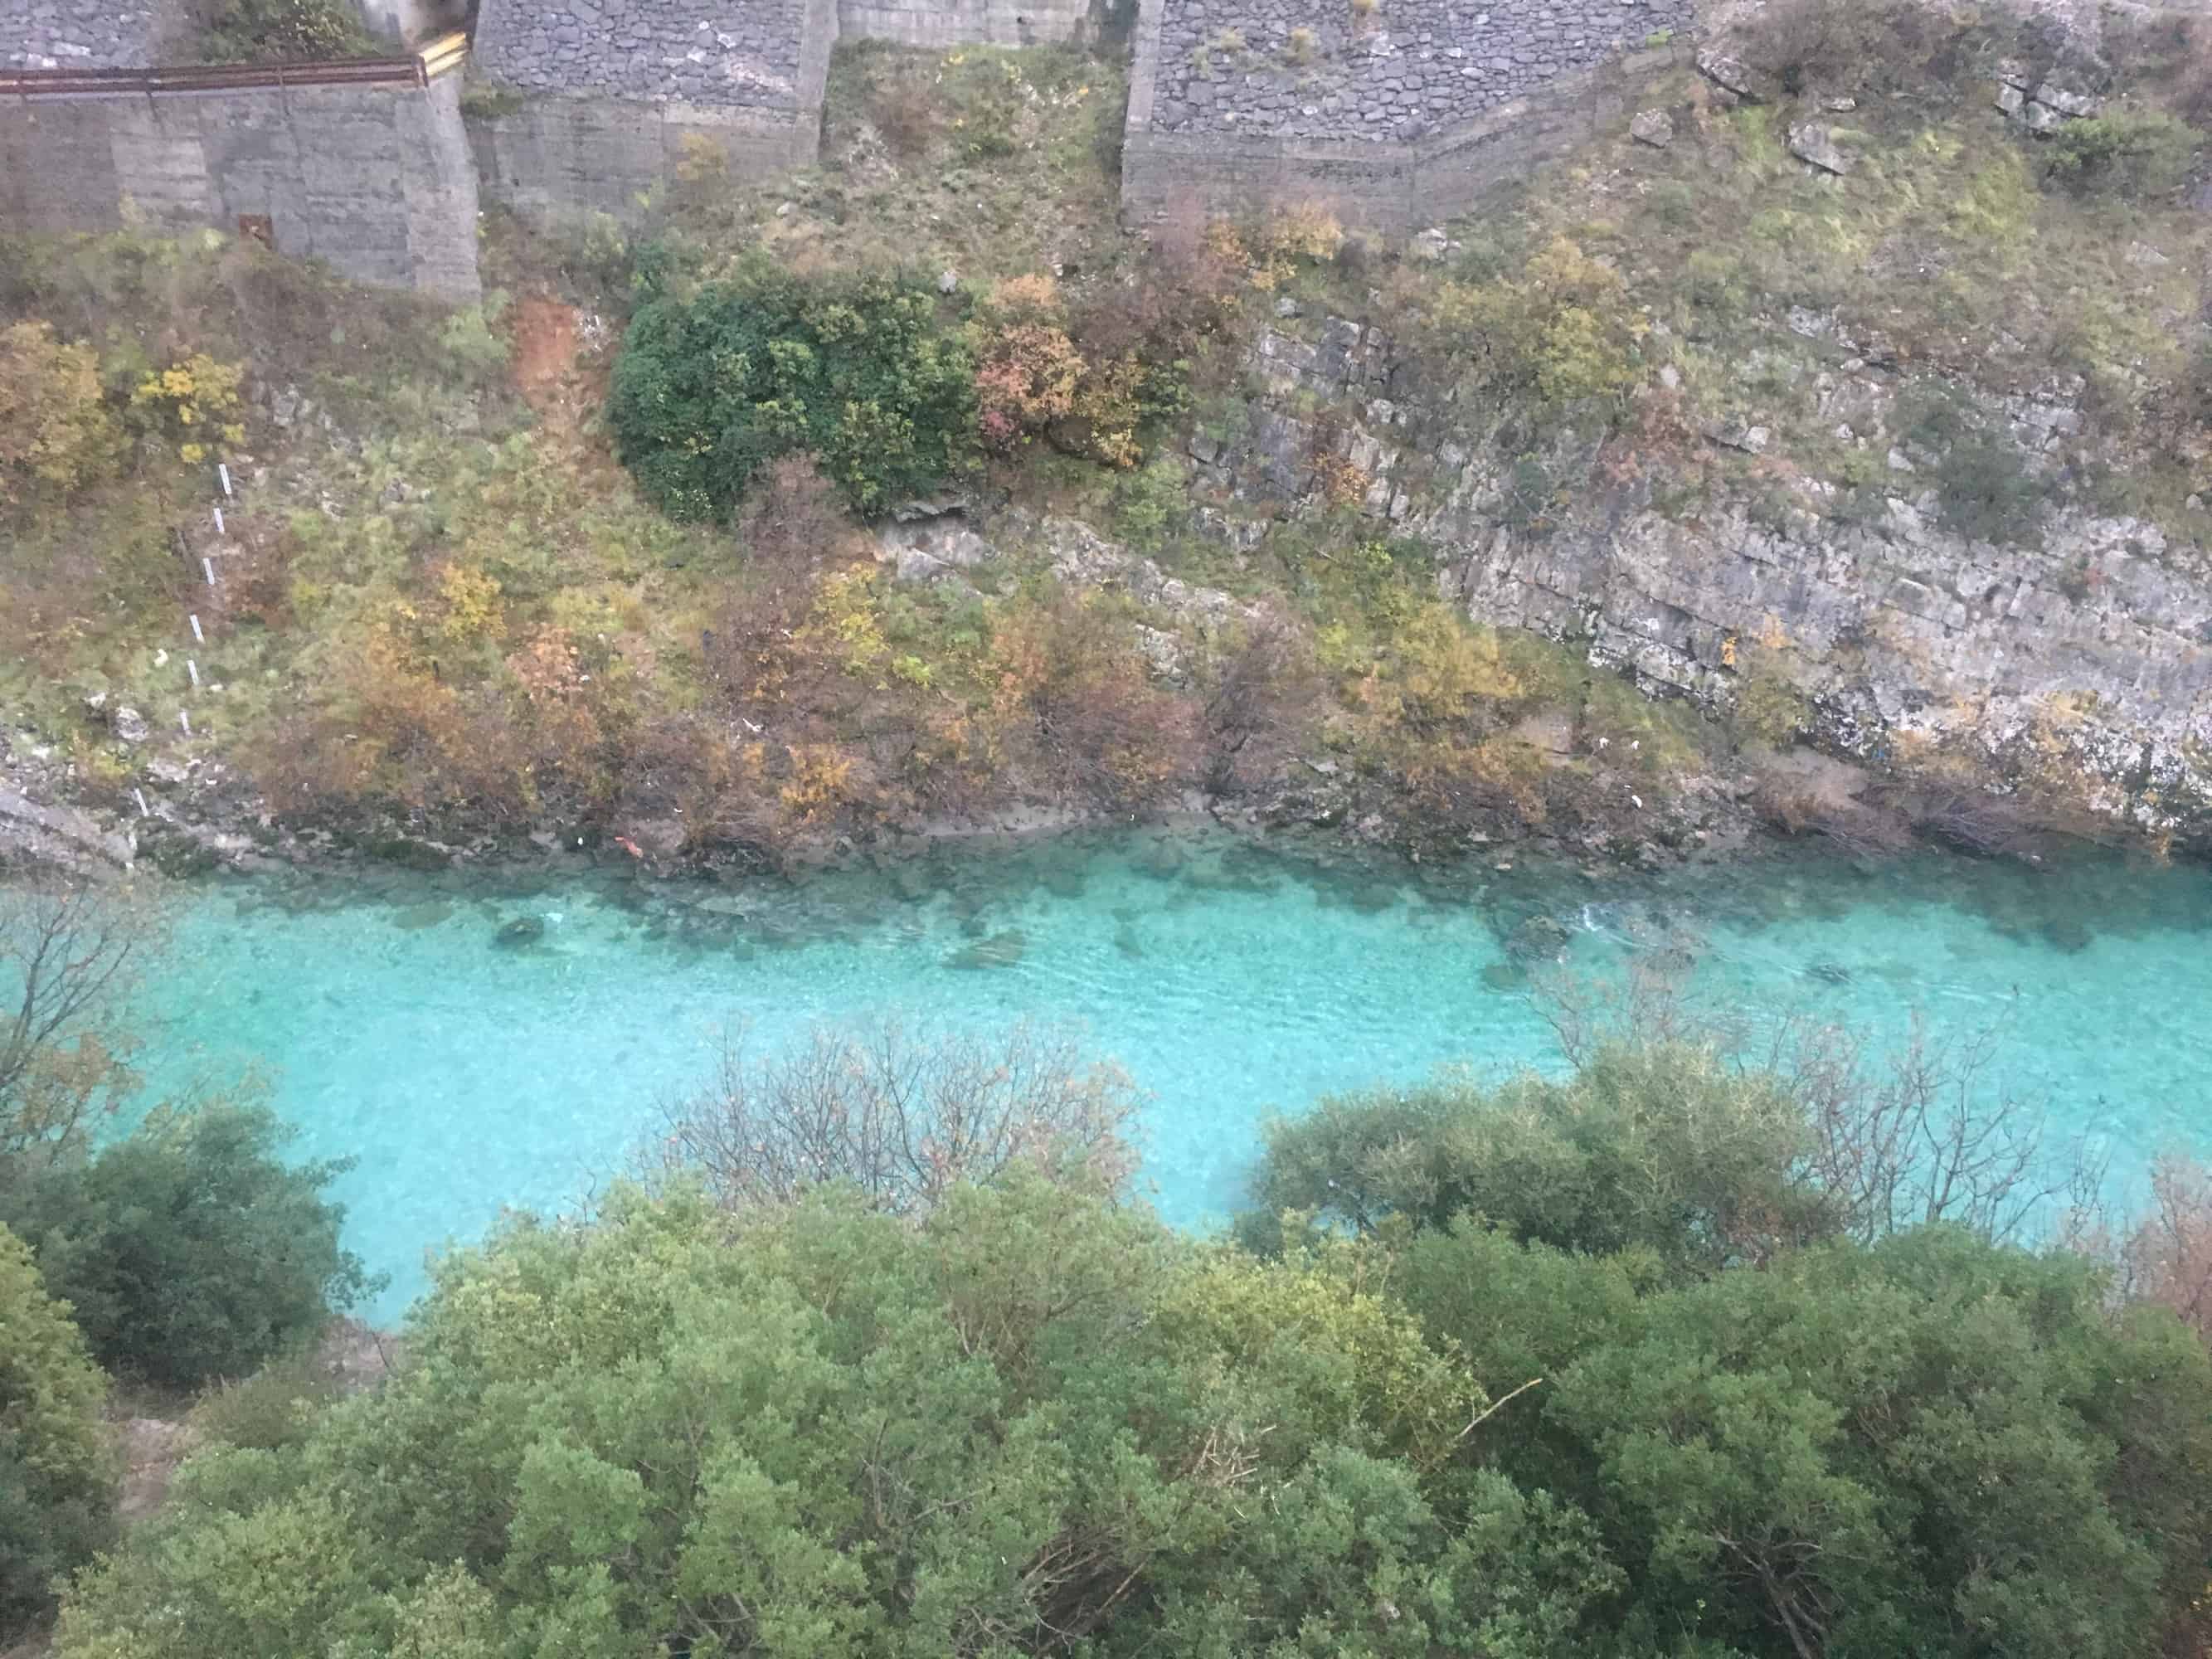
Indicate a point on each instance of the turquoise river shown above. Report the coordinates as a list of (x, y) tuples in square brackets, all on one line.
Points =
[(466, 1074)]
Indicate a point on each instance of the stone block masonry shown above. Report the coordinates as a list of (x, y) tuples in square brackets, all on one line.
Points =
[(1392, 117), (939, 23), (44, 34), (372, 177), (616, 95), (1325, 70), (741, 53)]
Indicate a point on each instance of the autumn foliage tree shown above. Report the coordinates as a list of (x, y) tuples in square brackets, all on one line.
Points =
[(57, 431)]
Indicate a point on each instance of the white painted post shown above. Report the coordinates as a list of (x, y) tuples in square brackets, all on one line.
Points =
[(193, 669), (208, 565), (184, 719), (224, 470), (144, 810), (219, 530), (198, 638)]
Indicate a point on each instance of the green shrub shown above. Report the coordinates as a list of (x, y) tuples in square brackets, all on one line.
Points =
[(2131, 154), (1769, 708), (1983, 491), (467, 336), (856, 371), (1668, 1150), (56, 1474), (275, 1407), (1151, 503), (281, 31), (190, 1250)]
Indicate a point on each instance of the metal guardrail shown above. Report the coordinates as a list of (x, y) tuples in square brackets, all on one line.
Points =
[(417, 69)]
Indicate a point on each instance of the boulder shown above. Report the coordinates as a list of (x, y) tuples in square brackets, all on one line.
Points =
[(1812, 142), (1653, 127), (1733, 75), (129, 726), (2067, 91)]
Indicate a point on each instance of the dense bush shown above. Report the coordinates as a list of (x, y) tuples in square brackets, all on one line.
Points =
[(858, 372), (1033, 1423), (1934, 1446), (1584, 1396), (281, 31), (1561, 336), (190, 1250), (56, 1476)]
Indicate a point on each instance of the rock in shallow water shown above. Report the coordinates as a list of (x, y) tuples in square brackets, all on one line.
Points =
[(999, 951), (519, 934)]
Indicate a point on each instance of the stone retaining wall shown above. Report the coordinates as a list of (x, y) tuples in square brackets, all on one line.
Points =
[(1246, 152), (44, 34), (373, 179), (960, 23)]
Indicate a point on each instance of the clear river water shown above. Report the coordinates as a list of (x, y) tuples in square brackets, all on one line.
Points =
[(467, 1074)]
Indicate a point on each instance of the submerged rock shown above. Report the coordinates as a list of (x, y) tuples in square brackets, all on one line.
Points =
[(999, 951), (1538, 939), (519, 934)]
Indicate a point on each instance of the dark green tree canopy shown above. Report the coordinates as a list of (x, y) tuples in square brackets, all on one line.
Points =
[(57, 1473), (190, 1250), (1934, 1446), (857, 371), (1033, 1423)]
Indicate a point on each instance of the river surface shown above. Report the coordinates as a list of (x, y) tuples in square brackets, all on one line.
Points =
[(467, 1074)]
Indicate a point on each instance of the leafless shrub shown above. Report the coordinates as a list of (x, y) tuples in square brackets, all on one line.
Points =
[(1898, 1135), (2165, 1258), (1862, 831), (68, 953), (1260, 704), (1983, 825), (792, 522), (904, 1115), (1924, 1132), (905, 112)]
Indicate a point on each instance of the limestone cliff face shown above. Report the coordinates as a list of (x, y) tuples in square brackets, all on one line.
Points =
[(2077, 668)]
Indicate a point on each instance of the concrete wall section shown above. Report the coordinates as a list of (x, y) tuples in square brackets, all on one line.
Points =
[(374, 180), (560, 158), (562, 155)]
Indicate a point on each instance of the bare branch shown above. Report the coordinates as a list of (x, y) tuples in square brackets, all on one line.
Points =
[(903, 1116), (68, 956)]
